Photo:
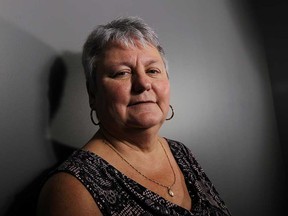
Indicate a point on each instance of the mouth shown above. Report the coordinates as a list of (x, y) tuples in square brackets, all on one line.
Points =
[(140, 102)]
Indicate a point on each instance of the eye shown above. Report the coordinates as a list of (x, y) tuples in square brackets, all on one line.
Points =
[(121, 74), (153, 71)]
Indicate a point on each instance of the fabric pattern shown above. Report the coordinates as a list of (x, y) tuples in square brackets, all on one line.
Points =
[(116, 194)]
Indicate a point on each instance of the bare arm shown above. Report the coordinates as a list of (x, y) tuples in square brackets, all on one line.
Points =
[(64, 195)]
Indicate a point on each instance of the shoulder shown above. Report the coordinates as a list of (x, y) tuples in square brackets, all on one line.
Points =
[(63, 194), (182, 153), (178, 147)]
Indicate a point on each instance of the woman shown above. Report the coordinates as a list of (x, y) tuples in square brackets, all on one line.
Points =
[(127, 168)]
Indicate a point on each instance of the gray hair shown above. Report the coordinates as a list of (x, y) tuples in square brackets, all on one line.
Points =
[(125, 31)]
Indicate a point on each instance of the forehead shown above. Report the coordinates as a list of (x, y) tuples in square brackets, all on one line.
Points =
[(117, 53)]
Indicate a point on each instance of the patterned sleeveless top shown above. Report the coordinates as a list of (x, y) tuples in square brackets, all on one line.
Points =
[(116, 194)]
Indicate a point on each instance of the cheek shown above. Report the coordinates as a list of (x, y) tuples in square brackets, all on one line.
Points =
[(116, 94), (163, 92)]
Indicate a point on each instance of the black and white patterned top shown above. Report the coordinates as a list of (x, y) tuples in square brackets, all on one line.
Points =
[(116, 194)]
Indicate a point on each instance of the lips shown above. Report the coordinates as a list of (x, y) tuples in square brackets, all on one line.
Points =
[(134, 103)]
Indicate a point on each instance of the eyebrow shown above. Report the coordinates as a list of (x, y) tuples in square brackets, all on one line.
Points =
[(152, 61), (127, 63)]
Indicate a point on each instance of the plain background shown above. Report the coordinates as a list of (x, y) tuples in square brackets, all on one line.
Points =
[(220, 83)]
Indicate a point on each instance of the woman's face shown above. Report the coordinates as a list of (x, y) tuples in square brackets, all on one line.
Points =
[(133, 89)]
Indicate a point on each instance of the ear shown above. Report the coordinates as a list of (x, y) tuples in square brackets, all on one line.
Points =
[(91, 94)]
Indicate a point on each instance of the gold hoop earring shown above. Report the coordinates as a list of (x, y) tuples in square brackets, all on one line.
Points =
[(92, 119), (172, 115)]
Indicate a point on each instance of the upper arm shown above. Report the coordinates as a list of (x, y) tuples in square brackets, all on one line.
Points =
[(64, 195)]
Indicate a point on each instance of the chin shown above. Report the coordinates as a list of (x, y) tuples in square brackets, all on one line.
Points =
[(145, 123)]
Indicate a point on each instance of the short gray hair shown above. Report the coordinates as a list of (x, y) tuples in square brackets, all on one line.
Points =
[(126, 31)]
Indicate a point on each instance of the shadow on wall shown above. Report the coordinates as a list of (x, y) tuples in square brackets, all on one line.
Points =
[(57, 77), (25, 202)]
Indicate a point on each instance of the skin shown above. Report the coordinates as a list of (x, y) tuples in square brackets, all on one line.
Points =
[(136, 83), (132, 102)]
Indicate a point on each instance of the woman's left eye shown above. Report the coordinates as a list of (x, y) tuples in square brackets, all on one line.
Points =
[(153, 71)]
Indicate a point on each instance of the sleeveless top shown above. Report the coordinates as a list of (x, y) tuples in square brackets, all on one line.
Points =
[(116, 194)]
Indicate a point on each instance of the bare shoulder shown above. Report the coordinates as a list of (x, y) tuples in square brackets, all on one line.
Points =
[(64, 195)]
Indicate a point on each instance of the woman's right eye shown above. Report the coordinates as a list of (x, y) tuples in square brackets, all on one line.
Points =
[(121, 74)]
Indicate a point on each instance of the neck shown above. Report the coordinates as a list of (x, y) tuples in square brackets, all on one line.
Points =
[(138, 140)]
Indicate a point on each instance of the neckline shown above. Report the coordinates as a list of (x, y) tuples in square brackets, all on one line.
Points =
[(126, 178)]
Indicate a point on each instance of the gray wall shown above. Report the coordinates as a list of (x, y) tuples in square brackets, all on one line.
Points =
[(220, 92)]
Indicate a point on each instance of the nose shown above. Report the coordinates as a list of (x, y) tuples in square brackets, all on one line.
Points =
[(140, 83)]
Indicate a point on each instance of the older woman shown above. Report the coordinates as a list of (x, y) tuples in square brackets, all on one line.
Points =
[(127, 168)]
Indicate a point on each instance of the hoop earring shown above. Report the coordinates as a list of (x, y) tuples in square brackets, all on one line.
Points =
[(172, 115), (92, 119)]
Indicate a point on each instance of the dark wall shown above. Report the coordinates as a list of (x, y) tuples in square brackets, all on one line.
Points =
[(272, 19)]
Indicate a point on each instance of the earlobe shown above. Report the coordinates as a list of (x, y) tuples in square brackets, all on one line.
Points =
[(91, 101), (91, 96)]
